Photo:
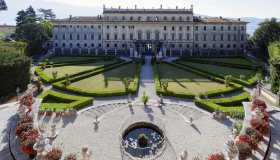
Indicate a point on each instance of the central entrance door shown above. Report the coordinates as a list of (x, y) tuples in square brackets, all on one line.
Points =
[(148, 49)]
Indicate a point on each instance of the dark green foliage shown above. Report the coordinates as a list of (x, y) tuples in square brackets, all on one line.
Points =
[(14, 69), (268, 32), (274, 52)]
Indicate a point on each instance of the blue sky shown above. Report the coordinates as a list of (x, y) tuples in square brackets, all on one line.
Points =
[(225, 8)]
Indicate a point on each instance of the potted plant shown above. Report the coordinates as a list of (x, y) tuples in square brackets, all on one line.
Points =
[(54, 154), (145, 98)]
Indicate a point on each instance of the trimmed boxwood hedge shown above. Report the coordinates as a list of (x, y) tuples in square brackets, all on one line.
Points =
[(48, 79), (250, 82), (133, 87), (231, 101), (233, 86), (234, 112), (57, 101)]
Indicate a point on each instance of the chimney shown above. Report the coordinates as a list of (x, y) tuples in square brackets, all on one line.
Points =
[(119, 7), (70, 17), (192, 7), (239, 19), (135, 6), (221, 17), (176, 7), (161, 6), (104, 7)]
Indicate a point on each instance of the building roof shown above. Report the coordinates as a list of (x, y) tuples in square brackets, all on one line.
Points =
[(147, 11), (216, 20)]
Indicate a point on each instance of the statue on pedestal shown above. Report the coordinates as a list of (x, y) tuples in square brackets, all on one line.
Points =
[(86, 153)]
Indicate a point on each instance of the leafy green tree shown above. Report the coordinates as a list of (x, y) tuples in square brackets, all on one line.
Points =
[(46, 14), (268, 32), (29, 29), (274, 52)]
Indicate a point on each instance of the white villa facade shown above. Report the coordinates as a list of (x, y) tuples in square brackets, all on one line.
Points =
[(139, 31)]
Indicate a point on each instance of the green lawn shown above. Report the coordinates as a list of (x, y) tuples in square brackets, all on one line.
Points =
[(65, 59), (221, 70), (181, 81), (242, 61), (110, 81), (72, 69)]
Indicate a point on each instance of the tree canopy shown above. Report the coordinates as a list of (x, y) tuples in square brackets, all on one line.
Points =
[(34, 30), (268, 32)]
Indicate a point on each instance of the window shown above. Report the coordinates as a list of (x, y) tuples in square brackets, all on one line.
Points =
[(70, 36), (188, 36), (229, 37), (85, 45), (222, 37), (188, 46), (173, 36), (234, 45), (63, 36), (139, 35), (173, 28), (92, 36), (131, 36), (55, 37), (108, 27), (131, 18), (92, 45), (108, 36), (242, 28), (221, 46), (214, 46), (188, 18), (180, 18), (71, 45), (123, 18), (228, 46), (222, 28), (56, 44), (99, 26), (205, 28), (204, 37), (123, 36), (123, 27), (241, 46), (116, 45), (214, 37), (180, 36), (108, 45), (164, 28), (234, 37), (165, 18), (148, 35), (180, 45), (139, 18), (196, 45), (196, 37), (85, 26), (214, 28), (229, 28), (242, 37), (165, 36), (196, 28), (85, 37), (116, 27), (173, 18), (91, 27), (99, 37), (188, 28), (157, 35), (78, 26), (204, 45), (116, 36), (78, 44), (78, 37), (234, 28), (63, 44)]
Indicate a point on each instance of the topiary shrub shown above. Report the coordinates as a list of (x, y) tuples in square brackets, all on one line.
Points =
[(143, 140)]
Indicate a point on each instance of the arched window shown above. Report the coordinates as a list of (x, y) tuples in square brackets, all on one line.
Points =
[(78, 44)]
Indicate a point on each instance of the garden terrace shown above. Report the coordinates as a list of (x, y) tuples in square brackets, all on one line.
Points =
[(109, 81), (246, 77), (73, 68), (184, 82)]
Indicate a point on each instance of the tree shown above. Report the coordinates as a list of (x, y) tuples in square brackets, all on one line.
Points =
[(274, 53), (29, 29), (47, 14), (268, 32)]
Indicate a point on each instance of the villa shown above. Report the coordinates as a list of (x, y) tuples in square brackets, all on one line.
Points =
[(142, 31)]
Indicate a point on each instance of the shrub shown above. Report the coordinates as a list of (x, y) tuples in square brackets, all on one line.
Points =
[(274, 53), (228, 79), (54, 154), (14, 69)]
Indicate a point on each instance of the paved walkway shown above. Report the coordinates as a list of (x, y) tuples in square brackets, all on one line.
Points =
[(147, 80)]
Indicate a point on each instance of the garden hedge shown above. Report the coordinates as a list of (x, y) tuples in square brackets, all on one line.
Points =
[(48, 79), (250, 82), (234, 112), (14, 68), (231, 101), (57, 101), (133, 87)]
